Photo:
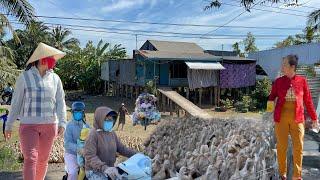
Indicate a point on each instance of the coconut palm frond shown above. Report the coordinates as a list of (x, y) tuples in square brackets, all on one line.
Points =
[(6, 52), (21, 9), (6, 24), (314, 19)]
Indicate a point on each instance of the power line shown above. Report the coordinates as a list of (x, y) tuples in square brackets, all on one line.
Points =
[(228, 21), (155, 35), (135, 31), (166, 24), (266, 10), (281, 8), (299, 5)]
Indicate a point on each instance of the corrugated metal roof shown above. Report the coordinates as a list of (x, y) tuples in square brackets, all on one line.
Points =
[(178, 55), (221, 53), (174, 46), (205, 66), (236, 58)]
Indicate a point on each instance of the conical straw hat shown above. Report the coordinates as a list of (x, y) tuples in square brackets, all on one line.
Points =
[(43, 51)]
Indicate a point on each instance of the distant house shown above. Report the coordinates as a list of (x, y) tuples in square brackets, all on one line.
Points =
[(176, 64), (185, 66)]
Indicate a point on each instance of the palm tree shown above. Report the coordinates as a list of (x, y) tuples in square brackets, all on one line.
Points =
[(24, 13), (117, 52), (309, 35), (35, 33), (59, 39), (20, 9), (314, 20), (8, 70)]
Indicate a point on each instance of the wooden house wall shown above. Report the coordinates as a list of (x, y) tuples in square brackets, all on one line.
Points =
[(127, 72)]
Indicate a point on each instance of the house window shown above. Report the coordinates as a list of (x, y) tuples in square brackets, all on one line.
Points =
[(178, 70)]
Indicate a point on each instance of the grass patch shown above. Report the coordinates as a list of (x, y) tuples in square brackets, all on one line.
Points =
[(8, 161)]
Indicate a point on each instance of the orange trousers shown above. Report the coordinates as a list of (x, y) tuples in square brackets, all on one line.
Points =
[(287, 126)]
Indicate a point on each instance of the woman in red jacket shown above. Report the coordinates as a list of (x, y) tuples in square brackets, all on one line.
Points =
[(291, 93)]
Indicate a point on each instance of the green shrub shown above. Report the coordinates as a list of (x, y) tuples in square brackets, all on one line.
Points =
[(8, 161), (261, 93), (151, 87), (246, 104), (227, 103)]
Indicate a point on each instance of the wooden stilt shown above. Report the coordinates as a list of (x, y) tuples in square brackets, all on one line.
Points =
[(211, 95), (163, 102), (200, 96), (219, 94), (170, 107), (188, 93), (118, 89), (105, 88), (137, 91), (126, 88), (114, 89), (216, 96)]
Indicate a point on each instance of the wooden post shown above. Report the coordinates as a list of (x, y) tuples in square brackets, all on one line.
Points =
[(215, 89), (114, 89), (211, 95), (218, 94), (159, 102), (118, 89), (105, 88), (178, 111), (195, 96), (200, 97), (137, 91), (170, 107), (163, 101), (188, 93), (131, 92), (126, 88)]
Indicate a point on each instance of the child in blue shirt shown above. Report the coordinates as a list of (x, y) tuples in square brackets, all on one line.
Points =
[(4, 117), (71, 136)]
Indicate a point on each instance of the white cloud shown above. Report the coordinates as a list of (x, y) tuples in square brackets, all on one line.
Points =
[(121, 5)]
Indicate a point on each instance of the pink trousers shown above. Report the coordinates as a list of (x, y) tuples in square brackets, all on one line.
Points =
[(36, 142)]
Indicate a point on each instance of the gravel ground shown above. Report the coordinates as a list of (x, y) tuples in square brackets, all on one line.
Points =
[(55, 172)]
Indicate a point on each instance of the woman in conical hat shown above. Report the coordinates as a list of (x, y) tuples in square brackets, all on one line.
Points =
[(38, 101)]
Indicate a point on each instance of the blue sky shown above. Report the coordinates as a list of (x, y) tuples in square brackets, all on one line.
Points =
[(171, 11)]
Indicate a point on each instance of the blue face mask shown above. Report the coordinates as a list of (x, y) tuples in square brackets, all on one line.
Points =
[(77, 115), (108, 125)]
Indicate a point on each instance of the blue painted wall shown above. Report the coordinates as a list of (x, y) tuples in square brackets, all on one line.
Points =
[(164, 74)]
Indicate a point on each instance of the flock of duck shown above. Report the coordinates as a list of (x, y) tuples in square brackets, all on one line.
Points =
[(191, 148)]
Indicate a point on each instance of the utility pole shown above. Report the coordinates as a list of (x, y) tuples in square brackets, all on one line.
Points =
[(136, 41)]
